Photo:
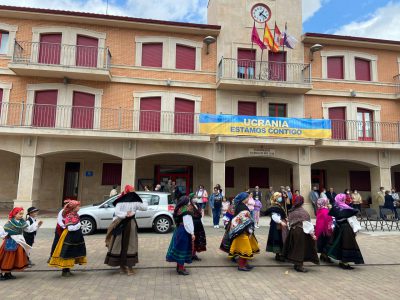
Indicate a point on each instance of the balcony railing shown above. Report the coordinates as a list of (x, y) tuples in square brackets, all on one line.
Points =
[(241, 69), (52, 54), (397, 84), (127, 120)]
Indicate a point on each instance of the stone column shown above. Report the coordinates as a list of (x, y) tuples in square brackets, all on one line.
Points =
[(128, 175), (380, 176), (302, 178), (218, 167)]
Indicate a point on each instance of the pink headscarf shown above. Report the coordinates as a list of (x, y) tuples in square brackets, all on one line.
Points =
[(340, 201), (322, 203)]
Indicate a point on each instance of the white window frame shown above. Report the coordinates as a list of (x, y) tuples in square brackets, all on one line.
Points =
[(12, 31), (5, 103)]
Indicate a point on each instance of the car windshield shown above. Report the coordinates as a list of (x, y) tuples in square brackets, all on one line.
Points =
[(109, 201)]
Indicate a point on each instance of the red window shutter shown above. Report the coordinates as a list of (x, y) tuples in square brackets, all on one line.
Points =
[(184, 116), (360, 181), (50, 49), (258, 176), (1, 101), (363, 69), (150, 114), (185, 57), (152, 55), (83, 110), (335, 67), (246, 108), (87, 51), (277, 66), (246, 54), (338, 117), (111, 174), (44, 110), (246, 63), (229, 177)]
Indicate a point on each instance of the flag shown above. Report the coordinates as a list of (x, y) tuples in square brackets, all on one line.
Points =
[(269, 39), (288, 40), (277, 35), (255, 38)]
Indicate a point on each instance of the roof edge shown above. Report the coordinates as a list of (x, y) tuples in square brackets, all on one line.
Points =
[(350, 38)]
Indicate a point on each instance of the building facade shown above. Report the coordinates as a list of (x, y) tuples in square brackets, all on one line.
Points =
[(89, 101)]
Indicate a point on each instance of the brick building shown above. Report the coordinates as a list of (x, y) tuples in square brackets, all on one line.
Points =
[(88, 101)]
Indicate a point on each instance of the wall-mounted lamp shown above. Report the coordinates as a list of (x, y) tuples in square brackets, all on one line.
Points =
[(313, 49), (169, 82), (264, 94), (353, 93), (208, 40), (65, 80)]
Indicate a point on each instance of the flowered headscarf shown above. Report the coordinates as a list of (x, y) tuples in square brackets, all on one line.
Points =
[(240, 198), (340, 201), (70, 205), (322, 203), (15, 212)]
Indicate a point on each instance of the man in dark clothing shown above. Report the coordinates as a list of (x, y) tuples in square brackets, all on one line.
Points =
[(331, 196)]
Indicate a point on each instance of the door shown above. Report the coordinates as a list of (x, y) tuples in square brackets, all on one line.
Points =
[(277, 66), (184, 116), (365, 129), (71, 181), (246, 63), (397, 181), (45, 108), (180, 174), (50, 49), (337, 115), (150, 114), (82, 110), (86, 51), (318, 179)]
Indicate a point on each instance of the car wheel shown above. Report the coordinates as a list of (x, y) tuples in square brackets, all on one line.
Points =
[(162, 224), (88, 225)]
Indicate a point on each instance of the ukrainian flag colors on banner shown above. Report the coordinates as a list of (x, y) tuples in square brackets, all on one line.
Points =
[(265, 126)]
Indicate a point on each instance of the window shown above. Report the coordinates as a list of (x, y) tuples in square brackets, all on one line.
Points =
[(50, 49), (229, 177), (277, 110), (86, 51), (246, 108), (337, 115), (246, 63), (335, 67), (363, 69), (45, 108), (152, 55), (258, 176), (277, 66), (4, 37), (184, 116), (365, 120), (150, 114), (82, 110), (360, 181), (150, 199), (185, 57), (111, 174)]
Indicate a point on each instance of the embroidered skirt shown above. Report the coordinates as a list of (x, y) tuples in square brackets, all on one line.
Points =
[(123, 248), (300, 247), (275, 240), (200, 243), (244, 246), (70, 250), (180, 248), (13, 260)]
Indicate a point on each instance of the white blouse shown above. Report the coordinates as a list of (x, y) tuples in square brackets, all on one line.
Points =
[(276, 218), (3, 234), (32, 228), (121, 209)]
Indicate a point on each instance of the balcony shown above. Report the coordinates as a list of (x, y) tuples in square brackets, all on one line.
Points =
[(248, 75), (60, 60), (397, 86)]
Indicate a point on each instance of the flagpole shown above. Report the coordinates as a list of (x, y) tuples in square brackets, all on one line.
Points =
[(284, 39), (262, 52), (252, 43)]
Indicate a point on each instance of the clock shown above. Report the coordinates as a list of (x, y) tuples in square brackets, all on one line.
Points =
[(261, 13)]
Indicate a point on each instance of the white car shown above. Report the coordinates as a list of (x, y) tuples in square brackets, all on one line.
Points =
[(159, 214)]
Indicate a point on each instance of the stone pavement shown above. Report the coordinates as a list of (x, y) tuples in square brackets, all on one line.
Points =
[(215, 277)]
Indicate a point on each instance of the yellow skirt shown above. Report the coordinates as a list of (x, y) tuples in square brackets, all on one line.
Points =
[(64, 263), (244, 246)]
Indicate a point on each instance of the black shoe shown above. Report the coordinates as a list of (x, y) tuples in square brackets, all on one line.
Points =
[(300, 269), (9, 276), (244, 269), (234, 260), (2, 277), (345, 266), (250, 267), (183, 272), (196, 258)]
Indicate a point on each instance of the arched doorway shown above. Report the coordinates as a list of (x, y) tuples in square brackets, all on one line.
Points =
[(9, 172)]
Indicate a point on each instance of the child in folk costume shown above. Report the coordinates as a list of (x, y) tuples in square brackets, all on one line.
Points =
[(15, 251), (225, 206), (257, 211), (71, 248), (122, 236), (243, 244), (278, 226), (30, 236), (323, 228), (200, 242), (300, 243), (343, 246), (58, 231), (226, 242), (181, 247)]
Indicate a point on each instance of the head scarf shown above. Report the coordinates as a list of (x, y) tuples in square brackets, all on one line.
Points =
[(191, 195), (298, 201), (14, 212), (128, 188), (322, 203), (69, 206), (183, 201), (340, 201), (128, 195), (274, 198), (240, 198)]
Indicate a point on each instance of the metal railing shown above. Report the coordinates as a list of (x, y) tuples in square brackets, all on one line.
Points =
[(53, 54), (242, 69), (397, 84)]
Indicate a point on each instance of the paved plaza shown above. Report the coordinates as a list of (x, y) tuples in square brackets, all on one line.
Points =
[(215, 277)]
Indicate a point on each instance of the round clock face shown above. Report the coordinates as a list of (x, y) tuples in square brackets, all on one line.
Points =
[(261, 13)]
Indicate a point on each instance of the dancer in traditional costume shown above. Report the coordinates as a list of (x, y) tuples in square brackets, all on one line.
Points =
[(57, 232), (300, 244), (14, 253), (200, 242), (278, 227), (180, 249), (323, 228), (344, 246), (29, 237), (71, 248), (122, 236), (241, 234), (3, 235), (226, 242)]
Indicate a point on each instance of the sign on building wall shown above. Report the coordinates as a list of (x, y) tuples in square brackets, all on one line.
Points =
[(265, 126)]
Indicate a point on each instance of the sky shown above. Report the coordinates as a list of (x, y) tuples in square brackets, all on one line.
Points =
[(366, 18)]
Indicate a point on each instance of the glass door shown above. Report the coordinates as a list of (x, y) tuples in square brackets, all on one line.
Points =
[(365, 130)]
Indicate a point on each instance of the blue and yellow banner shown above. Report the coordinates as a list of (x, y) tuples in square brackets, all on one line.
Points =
[(265, 126)]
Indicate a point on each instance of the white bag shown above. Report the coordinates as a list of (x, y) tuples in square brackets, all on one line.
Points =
[(354, 224)]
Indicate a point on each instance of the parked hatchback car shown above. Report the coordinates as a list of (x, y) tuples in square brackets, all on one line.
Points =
[(158, 216)]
